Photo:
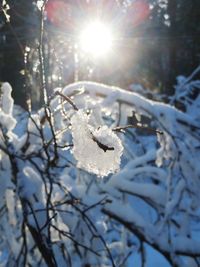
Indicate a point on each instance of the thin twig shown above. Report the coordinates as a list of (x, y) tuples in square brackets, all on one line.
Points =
[(67, 99), (141, 127), (41, 55)]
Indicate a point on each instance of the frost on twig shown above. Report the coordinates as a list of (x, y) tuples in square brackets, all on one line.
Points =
[(96, 150)]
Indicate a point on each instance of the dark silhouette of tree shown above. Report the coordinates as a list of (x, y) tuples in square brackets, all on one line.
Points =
[(156, 44), (18, 34)]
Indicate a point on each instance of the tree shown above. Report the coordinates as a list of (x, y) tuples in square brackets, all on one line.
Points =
[(176, 46), (60, 215), (81, 186), (20, 31), (158, 40)]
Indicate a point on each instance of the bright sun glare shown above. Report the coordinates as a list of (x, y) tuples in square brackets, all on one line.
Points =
[(96, 39)]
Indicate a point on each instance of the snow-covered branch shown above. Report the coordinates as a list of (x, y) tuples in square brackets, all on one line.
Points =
[(75, 191)]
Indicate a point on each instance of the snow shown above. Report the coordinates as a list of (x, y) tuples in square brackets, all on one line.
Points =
[(96, 150), (30, 184), (7, 100), (6, 108), (150, 190)]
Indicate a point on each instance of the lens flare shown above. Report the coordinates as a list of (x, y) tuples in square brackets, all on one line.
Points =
[(96, 39)]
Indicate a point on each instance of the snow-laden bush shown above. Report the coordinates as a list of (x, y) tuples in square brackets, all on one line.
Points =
[(79, 188), (187, 95)]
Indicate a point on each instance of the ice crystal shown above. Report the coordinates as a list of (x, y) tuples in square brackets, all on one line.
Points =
[(97, 150)]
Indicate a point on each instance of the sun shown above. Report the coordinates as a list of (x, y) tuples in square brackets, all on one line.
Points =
[(96, 39)]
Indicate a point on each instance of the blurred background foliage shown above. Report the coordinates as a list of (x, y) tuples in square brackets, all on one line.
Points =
[(155, 42)]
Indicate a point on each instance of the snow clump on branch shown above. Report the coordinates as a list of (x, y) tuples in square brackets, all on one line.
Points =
[(6, 108), (98, 150)]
